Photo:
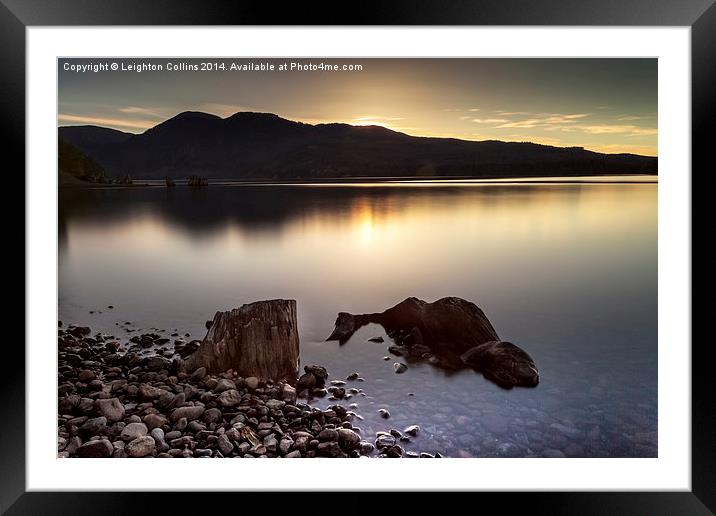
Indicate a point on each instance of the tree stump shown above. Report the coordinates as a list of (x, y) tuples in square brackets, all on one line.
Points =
[(258, 339)]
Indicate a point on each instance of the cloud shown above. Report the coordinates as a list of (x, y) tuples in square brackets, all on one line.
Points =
[(489, 120), (382, 118), (631, 130), (108, 122), (523, 124), (135, 110), (474, 110), (632, 118)]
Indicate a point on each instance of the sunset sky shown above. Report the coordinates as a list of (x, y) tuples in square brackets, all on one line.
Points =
[(607, 105)]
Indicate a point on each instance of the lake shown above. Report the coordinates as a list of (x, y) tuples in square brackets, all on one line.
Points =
[(565, 269)]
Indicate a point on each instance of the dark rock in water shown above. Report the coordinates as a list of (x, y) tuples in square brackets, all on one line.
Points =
[(208, 324), (412, 430), (451, 333), (348, 439), (398, 350), (366, 448), (384, 441), (394, 452), (376, 339), (352, 376), (451, 323), (399, 367), (306, 381), (503, 363), (319, 372), (384, 413)]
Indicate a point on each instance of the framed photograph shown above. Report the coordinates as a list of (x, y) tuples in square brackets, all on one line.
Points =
[(458, 236)]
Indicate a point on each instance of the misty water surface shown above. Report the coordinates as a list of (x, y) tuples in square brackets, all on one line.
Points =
[(568, 271)]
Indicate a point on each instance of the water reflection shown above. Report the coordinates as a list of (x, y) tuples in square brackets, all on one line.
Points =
[(567, 271)]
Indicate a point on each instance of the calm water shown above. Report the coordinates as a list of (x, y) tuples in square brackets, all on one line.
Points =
[(566, 271)]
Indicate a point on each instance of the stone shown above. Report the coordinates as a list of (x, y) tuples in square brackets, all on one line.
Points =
[(252, 383), (306, 381), (451, 328), (503, 363), (275, 404), (285, 445), (86, 375), (225, 445), (111, 408), (224, 384), (270, 443), (99, 448), (140, 447), (158, 435), (294, 455), (412, 430), (158, 363), (68, 404), (288, 393), (199, 373), (328, 434), (229, 398), (212, 415), (133, 431), (366, 448), (154, 421), (384, 441), (94, 425), (348, 439), (329, 449), (394, 452), (384, 413), (149, 392), (509, 450), (190, 413), (319, 372), (400, 367)]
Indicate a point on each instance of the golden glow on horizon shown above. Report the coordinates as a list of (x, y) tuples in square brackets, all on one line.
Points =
[(606, 105)]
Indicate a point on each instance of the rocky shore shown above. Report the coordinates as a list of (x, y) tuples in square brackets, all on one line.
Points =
[(115, 401)]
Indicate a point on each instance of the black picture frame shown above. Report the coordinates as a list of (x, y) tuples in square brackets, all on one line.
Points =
[(700, 15)]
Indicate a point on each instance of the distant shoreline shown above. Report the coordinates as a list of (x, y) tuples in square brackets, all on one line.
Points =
[(537, 179)]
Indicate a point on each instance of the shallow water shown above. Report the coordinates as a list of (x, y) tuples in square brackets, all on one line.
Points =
[(568, 271)]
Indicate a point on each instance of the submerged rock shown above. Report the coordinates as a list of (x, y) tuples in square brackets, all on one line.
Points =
[(400, 367), (451, 333), (503, 363)]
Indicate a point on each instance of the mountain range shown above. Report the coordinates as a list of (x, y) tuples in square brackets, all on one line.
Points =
[(264, 146)]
